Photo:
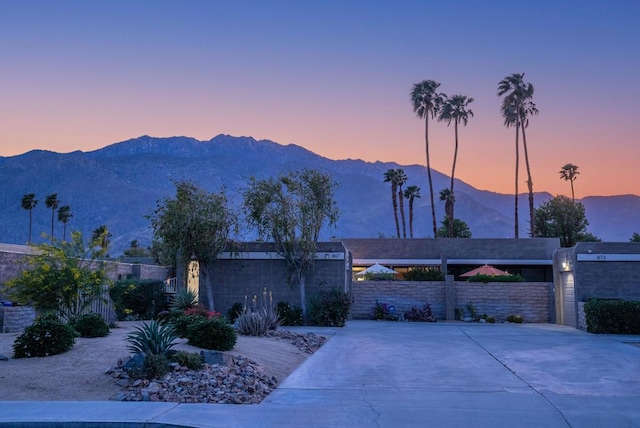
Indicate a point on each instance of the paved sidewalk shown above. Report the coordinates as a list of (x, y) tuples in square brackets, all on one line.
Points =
[(396, 374)]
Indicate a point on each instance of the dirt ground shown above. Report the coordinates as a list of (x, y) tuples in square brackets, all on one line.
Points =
[(79, 374)]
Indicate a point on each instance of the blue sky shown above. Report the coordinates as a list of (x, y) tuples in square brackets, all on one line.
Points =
[(333, 77)]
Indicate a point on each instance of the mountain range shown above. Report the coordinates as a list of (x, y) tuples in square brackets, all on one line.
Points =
[(119, 185)]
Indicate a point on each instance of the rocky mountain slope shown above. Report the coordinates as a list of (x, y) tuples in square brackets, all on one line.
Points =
[(120, 184)]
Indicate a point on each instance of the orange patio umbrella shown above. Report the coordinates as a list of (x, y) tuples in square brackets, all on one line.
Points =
[(485, 270)]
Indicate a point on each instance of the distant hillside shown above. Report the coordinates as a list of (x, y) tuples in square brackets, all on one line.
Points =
[(119, 184)]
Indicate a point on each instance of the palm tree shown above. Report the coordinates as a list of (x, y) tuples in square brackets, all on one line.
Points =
[(52, 202), (390, 177), (447, 198), (100, 237), (64, 215), (426, 102), (401, 180), (569, 173), (411, 193), (29, 202), (516, 108), (455, 109)]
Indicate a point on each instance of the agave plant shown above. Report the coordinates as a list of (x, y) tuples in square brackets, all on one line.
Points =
[(152, 339), (257, 320), (183, 300)]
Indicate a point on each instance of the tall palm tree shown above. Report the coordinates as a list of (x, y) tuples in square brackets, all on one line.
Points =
[(390, 177), (52, 202), (411, 193), (401, 180), (64, 215), (569, 173), (516, 108), (29, 202), (426, 102), (455, 109)]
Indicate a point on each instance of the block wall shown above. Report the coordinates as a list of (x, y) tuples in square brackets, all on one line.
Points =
[(532, 300)]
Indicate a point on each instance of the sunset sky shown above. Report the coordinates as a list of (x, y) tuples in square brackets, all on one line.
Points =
[(333, 77)]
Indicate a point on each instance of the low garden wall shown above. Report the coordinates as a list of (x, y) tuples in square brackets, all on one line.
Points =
[(532, 300), (14, 319)]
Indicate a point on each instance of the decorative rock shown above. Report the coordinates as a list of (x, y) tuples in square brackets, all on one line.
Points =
[(228, 380), (4, 358), (215, 357)]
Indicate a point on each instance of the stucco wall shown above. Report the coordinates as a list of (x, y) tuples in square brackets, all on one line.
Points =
[(532, 300)]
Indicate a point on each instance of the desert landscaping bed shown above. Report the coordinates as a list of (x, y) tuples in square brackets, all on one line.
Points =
[(91, 371)]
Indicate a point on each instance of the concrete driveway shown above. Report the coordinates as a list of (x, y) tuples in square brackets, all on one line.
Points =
[(398, 374)]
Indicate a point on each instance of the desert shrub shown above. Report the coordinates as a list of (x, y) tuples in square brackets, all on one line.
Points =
[(181, 322), (473, 311), (330, 308), (381, 311), (234, 312), (423, 314), (155, 366), (190, 360), (258, 319), (372, 276), (423, 273), (289, 315), (252, 324), (458, 314), (183, 300), (142, 299), (212, 333), (612, 316), (90, 325), (498, 278), (46, 336), (491, 320), (515, 318), (152, 338)]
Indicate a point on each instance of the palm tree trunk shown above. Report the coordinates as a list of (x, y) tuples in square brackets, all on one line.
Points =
[(401, 199), (394, 201), (433, 206), (573, 196), (516, 182), (52, 215), (529, 183), (411, 218), (453, 174), (30, 218)]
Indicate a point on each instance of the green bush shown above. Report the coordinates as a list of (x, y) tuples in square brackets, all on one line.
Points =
[(155, 366), (422, 273), (330, 308), (515, 319), (289, 315), (612, 316), (423, 314), (191, 360), (46, 336), (372, 276), (90, 325), (497, 278), (213, 333), (135, 298), (381, 311), (152, 339)]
